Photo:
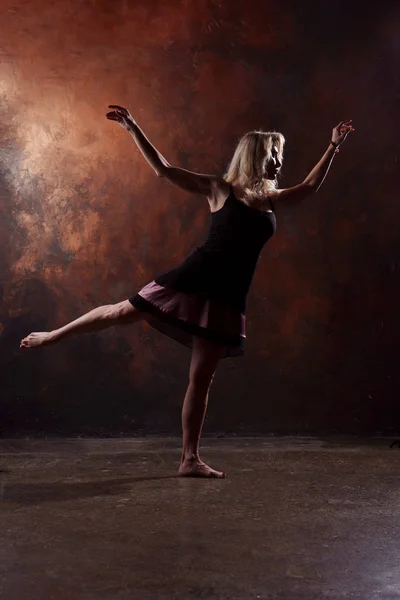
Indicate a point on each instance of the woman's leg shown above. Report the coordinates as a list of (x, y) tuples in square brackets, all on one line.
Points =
[(97, 319), (205, 357)]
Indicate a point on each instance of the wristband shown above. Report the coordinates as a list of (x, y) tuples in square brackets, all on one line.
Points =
[(336, 146)]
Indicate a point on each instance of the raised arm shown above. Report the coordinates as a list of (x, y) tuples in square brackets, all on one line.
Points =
[(315, 178), (187, 180)]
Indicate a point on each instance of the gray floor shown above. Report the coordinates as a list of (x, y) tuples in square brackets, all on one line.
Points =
[(296, 518)]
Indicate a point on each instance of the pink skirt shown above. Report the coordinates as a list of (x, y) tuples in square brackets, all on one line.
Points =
[(181, 316)]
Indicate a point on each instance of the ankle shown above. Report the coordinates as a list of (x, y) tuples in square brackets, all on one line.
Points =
[(190, 456), (55, 335)]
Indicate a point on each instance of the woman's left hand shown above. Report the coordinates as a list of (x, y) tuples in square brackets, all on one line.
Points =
[(341, 131)]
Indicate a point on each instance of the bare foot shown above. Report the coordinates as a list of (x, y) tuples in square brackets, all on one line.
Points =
[(41, 338), (197, 468)]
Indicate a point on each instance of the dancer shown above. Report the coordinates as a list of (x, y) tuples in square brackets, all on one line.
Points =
[(202, 302)]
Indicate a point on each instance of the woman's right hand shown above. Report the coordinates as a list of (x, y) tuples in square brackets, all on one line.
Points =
[(122, 116)]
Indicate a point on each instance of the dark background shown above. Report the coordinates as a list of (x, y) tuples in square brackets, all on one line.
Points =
[(85, 221)]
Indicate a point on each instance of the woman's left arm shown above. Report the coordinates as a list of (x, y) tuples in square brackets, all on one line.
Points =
[(315, 178)]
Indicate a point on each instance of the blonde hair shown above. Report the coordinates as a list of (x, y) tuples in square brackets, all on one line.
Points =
[(246, 166)]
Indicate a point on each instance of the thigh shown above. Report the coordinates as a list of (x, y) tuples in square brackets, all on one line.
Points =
[(205, 358)]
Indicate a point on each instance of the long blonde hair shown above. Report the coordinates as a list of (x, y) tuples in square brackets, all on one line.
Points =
[(246, 166)]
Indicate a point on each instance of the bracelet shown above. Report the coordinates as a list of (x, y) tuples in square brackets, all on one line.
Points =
[(336, 146)]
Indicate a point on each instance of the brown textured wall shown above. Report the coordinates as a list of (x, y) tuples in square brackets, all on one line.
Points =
[(84, 221)]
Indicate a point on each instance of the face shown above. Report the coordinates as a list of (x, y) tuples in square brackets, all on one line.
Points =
[(273, 165)]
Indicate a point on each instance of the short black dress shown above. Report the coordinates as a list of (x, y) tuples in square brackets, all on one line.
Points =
[(206, 295)]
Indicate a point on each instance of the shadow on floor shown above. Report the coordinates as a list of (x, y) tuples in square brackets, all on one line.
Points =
[(60, 491)]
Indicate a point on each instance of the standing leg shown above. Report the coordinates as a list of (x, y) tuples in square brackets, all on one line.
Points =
[(204, 362), (97, 319)]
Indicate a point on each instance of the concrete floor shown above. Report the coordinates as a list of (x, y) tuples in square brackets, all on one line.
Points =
[(296, 518)]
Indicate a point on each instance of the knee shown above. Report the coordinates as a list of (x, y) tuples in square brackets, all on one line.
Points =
[(114, 311), (123, 312)]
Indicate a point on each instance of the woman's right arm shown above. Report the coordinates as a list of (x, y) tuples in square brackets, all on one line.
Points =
[(187, 180), (153, 156)]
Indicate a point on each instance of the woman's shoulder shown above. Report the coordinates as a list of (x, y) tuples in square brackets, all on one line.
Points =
[(220, 191), (221, 187)]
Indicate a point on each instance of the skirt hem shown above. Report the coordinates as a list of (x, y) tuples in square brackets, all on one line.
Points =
[(183, 331)]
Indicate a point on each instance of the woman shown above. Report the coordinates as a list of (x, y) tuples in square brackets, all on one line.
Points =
[(202, 303)]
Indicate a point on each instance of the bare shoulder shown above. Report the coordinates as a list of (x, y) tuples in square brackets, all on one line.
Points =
[(220, 191)]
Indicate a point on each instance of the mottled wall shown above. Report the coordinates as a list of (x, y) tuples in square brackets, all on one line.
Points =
[(84, 220)]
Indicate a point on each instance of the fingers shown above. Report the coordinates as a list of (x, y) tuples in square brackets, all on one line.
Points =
[(343, 124), (124, 111), (344, 127), (113, 116)]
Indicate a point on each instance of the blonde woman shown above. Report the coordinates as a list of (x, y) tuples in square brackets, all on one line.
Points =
[(202, 302)]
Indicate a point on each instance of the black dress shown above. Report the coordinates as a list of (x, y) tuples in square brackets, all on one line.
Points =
[(206, 295)]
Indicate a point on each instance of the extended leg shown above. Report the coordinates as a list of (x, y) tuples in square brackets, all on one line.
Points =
[(97, 319), (204, 362)]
